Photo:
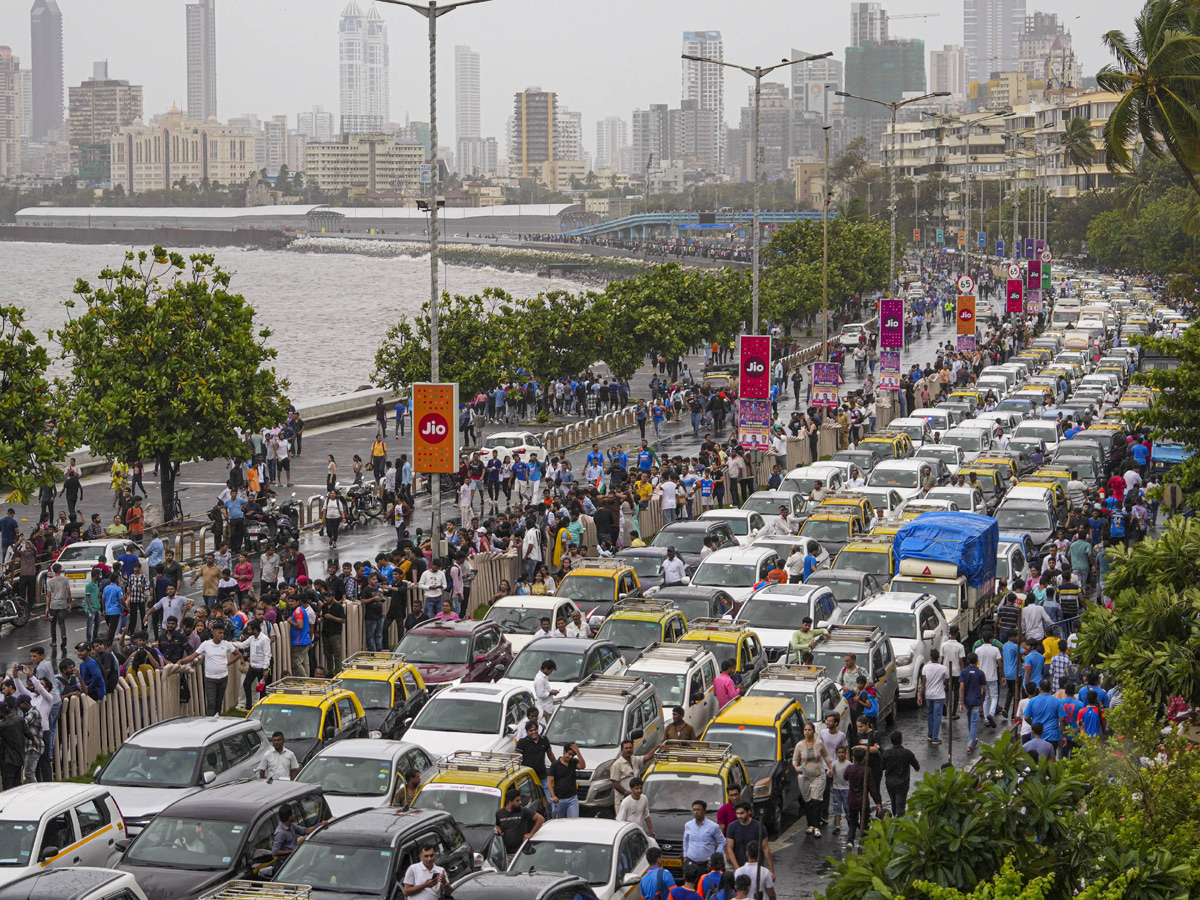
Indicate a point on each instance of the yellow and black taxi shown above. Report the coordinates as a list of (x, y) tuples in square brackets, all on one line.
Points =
[(389, 689), (763, 732), (833, 529), (974, 399), (992, 478), (598, 585), (311, 712), (888, 444), (636, 623), (849, 501), (471, 786), (871, 554), (729, 640), (681, 773), (1053, 484)]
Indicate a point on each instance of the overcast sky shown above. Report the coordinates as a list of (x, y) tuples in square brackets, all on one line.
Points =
[(603, 58)]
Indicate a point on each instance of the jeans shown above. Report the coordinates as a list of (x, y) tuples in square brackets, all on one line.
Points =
[(993, 698), (214, 695), (668, 515), (546, 791), (433, 605), (31, 764), (374, 634), (566, 808), (972, 723), (696, 424), (658, 426), (933, 716), (94, 621)]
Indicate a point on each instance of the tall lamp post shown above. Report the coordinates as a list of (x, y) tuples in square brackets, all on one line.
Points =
[(432, 11), (757, 73), (893, 105)]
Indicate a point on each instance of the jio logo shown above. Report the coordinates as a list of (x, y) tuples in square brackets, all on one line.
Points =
[(891, 323), (433, 428), (966, 315), (755, 366)]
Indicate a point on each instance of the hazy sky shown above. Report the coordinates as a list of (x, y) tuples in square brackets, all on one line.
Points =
[(603, 58)]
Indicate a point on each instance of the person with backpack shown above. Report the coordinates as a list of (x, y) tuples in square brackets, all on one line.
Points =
[(657, 883)]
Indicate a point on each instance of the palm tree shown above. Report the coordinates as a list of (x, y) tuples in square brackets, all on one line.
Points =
[(1159, 75), (1077, 146)]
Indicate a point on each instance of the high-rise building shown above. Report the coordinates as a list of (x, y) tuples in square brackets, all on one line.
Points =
[(99, 107), (46, 30), (948, 70), (156, 156), (992, 31), (1046, 54), (704, 83), (477, 156), (466, 93), (26, 80), (568, 134), (814, 83), (316, 124), (692, 137), (868, 23), (363, 67), (884, 72), (612, 136), (650, 141), (202, 60), (774, 132), (275, 144), (533, 132), (10, 114)]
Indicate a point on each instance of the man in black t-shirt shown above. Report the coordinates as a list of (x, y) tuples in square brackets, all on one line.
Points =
[(535, 754), (372, 602), (333, 621), (514, 824), (564, 782)]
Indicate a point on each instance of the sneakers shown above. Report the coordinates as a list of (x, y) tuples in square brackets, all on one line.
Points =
[(837, 829), (991, 723), (816, 832), (935, 743)]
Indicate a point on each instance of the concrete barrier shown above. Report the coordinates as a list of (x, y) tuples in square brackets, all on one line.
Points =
[(799, 452), (827, 440)]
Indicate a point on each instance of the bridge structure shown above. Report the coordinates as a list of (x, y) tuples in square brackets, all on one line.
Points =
[(650, 225)]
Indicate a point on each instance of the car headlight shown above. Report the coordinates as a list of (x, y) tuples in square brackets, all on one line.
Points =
[(762, 788), (375, 735), (904, 659), (602, 771)]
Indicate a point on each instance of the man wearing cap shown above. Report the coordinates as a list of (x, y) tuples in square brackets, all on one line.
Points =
[(673, 569)]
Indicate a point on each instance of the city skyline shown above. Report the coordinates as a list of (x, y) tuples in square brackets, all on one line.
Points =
[(201, 60), (260, 73)]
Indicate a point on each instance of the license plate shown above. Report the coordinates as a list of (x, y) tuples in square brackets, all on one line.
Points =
[(672, 863), (76, 575)]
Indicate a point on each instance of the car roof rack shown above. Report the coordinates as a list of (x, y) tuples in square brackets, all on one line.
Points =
[(307, 687), (373, 660), (856, 633), (602, 563), (677, 652), (254, 890), (613, 685), (479, 761), (643, 604), (693, 752), (793, 671), (717, 625)]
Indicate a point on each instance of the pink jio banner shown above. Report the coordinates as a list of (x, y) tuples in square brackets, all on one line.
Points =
[(891, 323), (1034, 272), (1016, 295), (754, 366)]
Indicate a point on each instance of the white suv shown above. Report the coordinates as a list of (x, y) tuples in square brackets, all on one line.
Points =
[(914, 622), (775, 613), (684, 675)]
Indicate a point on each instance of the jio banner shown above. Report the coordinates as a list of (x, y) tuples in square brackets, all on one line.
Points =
[(1015, 294), (825, 381), (754, 354), (1046, 276), (1035, 273), (889, 370), (891, 323), (966, 314), (1033, 302), (1028, 247), (435, 428), (754, 424)]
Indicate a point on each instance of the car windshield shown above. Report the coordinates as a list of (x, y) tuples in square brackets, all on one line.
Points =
[(914, 431), (767, 506), (826, 530), (739, 525), (696, 609), (722, 650), (591, 862), (684, 541), (965, 440), (645, 566), (298, 723), (515, 620), (670, 686), (463, 714), (760, 612), (82, 552), (371, 694), (1047, 431), (677, 791), (893, 624), (862, 561), (586, 727), (16, 843), (801, 485), (339, 868), (904, 478), (352, 776), (1085, 468), (753, 745), (587, 587), (864, 459), (435, 648), (134, 764), (844, 589), (528, 662), (1015, 404), (630, 632), (946, 592), (1016, 518), (176, 843), (987, 481), (1026, 445), (805, 697), (948, 454), (880, 498), (469, 804), (715, 574)]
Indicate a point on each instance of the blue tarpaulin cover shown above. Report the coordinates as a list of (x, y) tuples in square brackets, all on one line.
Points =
[(965, 539)]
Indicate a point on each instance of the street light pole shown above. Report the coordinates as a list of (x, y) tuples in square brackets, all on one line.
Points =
[(757, 73), (431, 12), (825, 252)]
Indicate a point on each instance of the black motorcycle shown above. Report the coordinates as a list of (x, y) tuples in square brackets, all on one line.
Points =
[(13, 610)]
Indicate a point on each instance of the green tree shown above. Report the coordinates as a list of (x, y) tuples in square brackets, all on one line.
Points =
[(1078, 146), (166, 364), (560, 333), (1111, 241), (35, 435), (1156, 73), (282, 182)]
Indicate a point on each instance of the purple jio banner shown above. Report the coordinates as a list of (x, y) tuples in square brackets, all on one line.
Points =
[(891, 323), (1034, 270), (1028, 248), (1039, 246)]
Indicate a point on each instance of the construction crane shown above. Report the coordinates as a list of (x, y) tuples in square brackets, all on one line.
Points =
[(912, 16)]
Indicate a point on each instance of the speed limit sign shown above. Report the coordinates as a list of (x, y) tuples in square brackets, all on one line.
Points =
[(966, 284), (1047, 256), (1014, 271)]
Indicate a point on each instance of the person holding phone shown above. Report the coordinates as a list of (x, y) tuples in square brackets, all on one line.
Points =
[(424, 880)]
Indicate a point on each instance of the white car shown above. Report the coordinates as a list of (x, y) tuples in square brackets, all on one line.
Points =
[(80, 558), (939, 420), (886, 501), (852, 333), (950, 454), (363, 774), (776, 611), (519, 615), (514, 444), (917, 428), (803, 479), (905, 475), (746, 524), (736, 570), (1006, 419), (1045, 430), (914, 623), (809, 686), (783, 546), (923, 505), (684, 676), (974, 440), (58, 825), (967, 499), (471, 717), (610, 855)]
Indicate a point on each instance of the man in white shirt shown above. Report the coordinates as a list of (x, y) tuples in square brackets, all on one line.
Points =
[(578, 627), (424, 880), (673, 569), (543, 694), (780, 524), (531, 549), (278, 763), (989, 657), (953, 658), (1133, 479), (432, 585), (635, 808), (669, 500), (932, 694), (216, 668), (762, 882)]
